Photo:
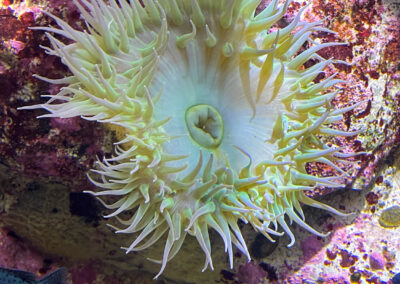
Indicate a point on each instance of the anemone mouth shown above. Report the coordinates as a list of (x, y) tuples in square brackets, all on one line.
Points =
[(218, 117), (204, 125)]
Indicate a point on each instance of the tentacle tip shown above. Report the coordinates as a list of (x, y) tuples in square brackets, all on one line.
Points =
[(324, 235), (127, 250), (291, 243), (350, 215)]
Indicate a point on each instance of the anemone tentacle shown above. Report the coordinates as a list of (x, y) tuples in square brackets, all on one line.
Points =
[(215, 113)]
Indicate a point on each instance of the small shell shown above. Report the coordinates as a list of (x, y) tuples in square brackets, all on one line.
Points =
[(390, 217)]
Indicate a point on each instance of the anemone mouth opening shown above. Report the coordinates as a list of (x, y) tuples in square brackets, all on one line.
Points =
[(205, 125)]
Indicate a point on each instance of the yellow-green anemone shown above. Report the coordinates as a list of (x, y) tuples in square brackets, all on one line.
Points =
[(216, 113)]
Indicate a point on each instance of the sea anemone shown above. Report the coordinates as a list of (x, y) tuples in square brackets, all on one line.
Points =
[(215, 113)]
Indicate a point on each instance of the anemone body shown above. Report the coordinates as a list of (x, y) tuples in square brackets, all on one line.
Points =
[(215, 113)]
